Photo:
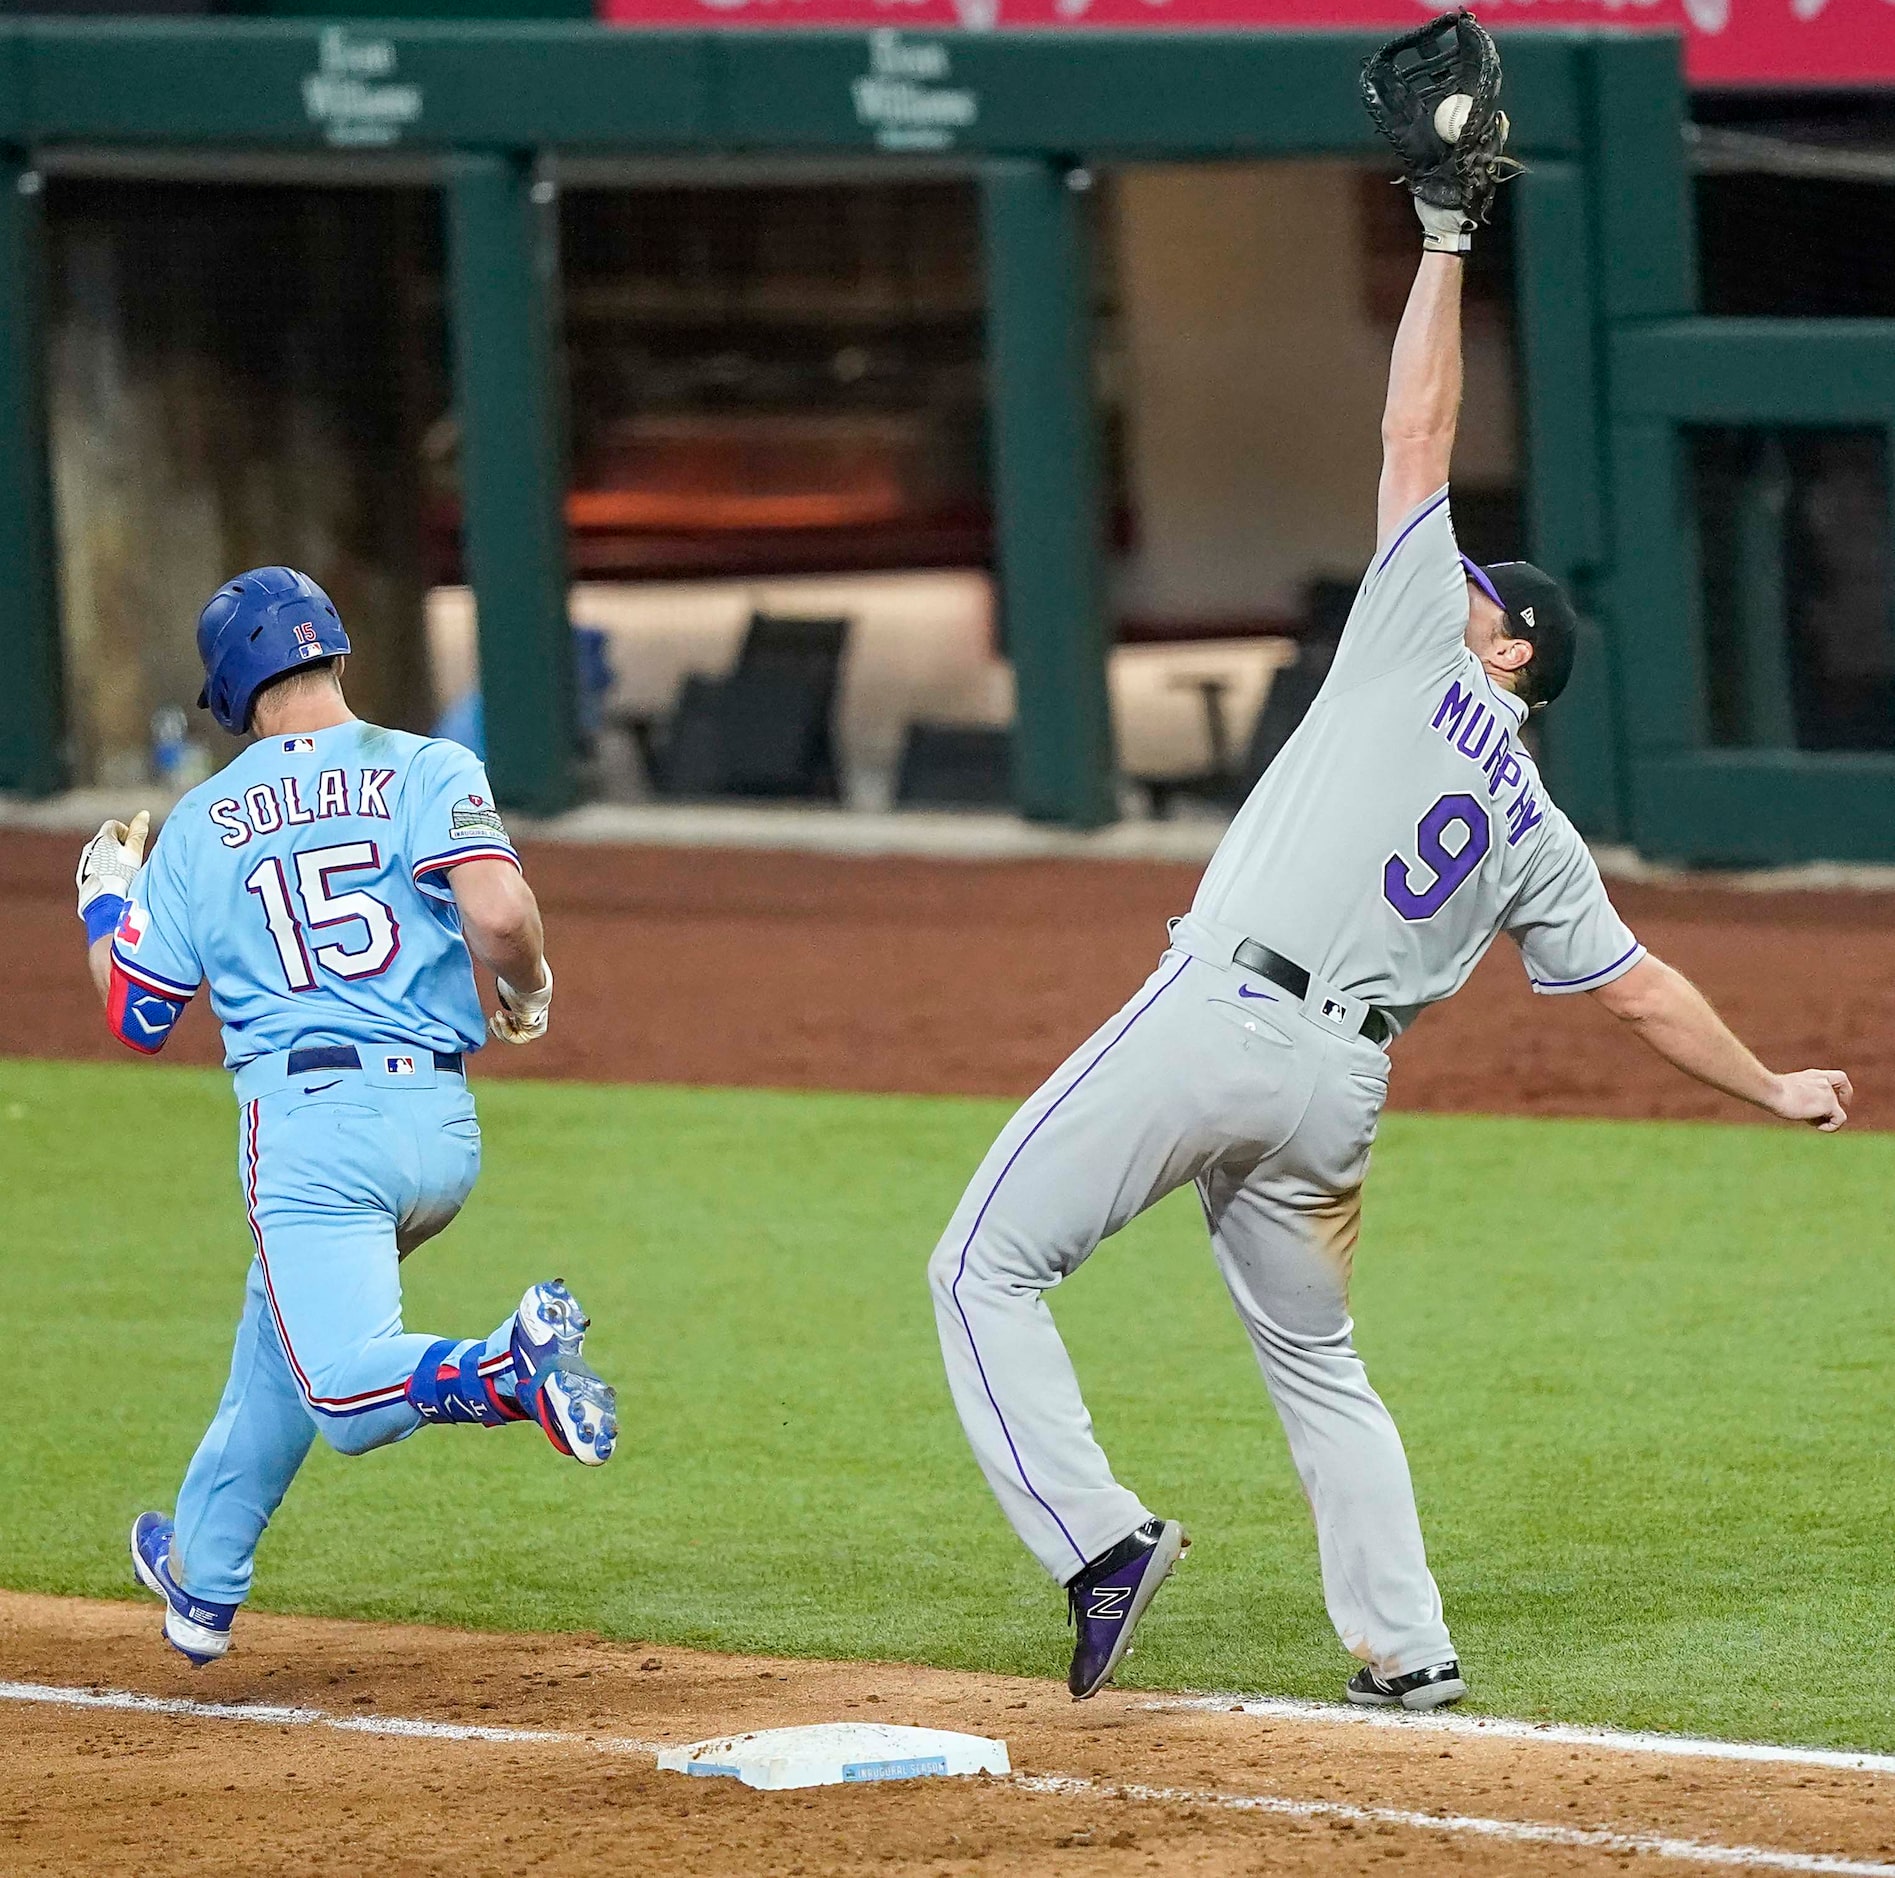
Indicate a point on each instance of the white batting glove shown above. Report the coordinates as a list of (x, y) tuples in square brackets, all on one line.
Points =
[(522, 1016), (110, 861), (1444, 231)]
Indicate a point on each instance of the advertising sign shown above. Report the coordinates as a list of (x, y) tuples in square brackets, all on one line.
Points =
[(1730, 42)]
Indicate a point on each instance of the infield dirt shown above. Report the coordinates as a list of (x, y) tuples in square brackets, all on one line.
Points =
[(801, 972), (949, 977), (96, 1790)]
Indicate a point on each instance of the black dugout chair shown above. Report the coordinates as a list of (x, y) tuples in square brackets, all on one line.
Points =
[(766, 728)]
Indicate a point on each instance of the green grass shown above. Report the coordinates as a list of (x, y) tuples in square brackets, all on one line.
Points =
[(1642, 1369)]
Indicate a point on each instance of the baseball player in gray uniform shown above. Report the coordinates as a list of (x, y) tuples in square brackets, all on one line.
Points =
[(1400, 829)]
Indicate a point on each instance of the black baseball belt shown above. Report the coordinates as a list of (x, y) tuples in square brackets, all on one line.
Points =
[(1292, 977), (347, 1056)]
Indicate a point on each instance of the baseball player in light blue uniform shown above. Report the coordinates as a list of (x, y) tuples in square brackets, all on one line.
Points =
[(328, 887)]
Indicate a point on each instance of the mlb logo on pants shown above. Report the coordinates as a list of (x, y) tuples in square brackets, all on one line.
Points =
[(398, 1065)]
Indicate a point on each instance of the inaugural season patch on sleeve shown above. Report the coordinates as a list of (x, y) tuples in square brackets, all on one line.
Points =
[(474, 816)]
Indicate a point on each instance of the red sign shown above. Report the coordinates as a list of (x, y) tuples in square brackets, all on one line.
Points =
[(1731, 42)]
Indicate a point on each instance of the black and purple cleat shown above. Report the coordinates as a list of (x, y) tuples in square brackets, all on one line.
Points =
[(1109, 1597)]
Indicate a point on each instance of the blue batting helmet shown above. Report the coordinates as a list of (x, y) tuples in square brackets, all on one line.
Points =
[(257, 627)]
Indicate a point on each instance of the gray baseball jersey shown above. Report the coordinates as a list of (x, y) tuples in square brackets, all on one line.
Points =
[(1404, 824), (1397, 832)]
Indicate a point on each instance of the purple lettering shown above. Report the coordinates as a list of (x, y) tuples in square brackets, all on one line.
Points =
[(295, 814), (1453, 708), (332, 794), (369, 795), (1503, 767), (229, 817), (1484, 719), (1523, 815), (260, 804)]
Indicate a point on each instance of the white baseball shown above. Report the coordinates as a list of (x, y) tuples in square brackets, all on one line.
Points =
[(1450, 115)]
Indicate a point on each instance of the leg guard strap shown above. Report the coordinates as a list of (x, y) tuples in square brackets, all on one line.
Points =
[(447, 1386)]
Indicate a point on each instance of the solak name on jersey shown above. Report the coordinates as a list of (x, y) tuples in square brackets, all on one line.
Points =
[(265, 807)]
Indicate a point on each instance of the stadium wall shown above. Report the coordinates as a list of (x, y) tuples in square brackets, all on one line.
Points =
[(1614, 364)]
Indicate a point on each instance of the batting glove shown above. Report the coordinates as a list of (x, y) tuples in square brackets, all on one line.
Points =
[(1445, 231), (522, 1016), (109, 863)]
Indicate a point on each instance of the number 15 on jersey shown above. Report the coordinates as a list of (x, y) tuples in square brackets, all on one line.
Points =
[(322, 908)]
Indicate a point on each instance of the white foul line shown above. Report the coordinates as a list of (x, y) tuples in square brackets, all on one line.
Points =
[(126, 1700), (1615, 1740), (1514, 1831), (1510, 1831)]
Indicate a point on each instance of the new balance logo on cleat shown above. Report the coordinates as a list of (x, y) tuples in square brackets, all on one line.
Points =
[(1108, 1598)]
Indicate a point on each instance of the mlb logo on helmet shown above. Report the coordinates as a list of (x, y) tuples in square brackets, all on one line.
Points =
[(398, 1065)]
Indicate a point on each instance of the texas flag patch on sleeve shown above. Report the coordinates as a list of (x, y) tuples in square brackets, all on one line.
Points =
[(132, 926)]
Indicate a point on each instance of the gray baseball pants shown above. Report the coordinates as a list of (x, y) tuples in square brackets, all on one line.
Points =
[(1213, 1076)]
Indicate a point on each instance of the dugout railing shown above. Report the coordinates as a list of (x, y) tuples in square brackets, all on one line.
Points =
[(1611, 362)]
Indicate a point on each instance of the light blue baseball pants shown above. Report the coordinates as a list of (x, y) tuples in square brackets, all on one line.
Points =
[(343, 1172)]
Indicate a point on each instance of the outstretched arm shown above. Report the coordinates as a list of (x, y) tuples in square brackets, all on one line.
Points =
[(1671, 1014), (1424, 392)]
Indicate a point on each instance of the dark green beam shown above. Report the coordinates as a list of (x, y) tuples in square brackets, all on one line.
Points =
[(1758, 371), (31, 706), (1560, 340), (551, 85), (1647, 236), (1046, 488), (1766, 808), (503, 312)]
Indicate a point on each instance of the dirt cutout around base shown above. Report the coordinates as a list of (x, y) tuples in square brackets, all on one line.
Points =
[(801, 971), (104, 1790)]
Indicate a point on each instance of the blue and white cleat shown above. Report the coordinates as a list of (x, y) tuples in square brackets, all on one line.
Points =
[(554, 1384), (195, 1627)]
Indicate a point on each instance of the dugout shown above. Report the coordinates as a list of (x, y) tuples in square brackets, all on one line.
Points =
[(1614, 370)]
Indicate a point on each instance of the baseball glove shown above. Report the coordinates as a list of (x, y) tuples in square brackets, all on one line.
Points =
[(1403, 87)]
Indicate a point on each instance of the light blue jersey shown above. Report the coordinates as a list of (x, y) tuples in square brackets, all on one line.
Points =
[(306, 884)]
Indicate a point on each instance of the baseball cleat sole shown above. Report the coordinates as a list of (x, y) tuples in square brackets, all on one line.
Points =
[(579, 1411), (550, 1314)]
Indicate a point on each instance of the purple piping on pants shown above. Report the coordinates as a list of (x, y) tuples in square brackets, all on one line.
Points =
[(1410, 529), (954, 1290)]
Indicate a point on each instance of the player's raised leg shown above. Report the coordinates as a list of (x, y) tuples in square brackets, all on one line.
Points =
[(1068, 1170), (1142, 1108)]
